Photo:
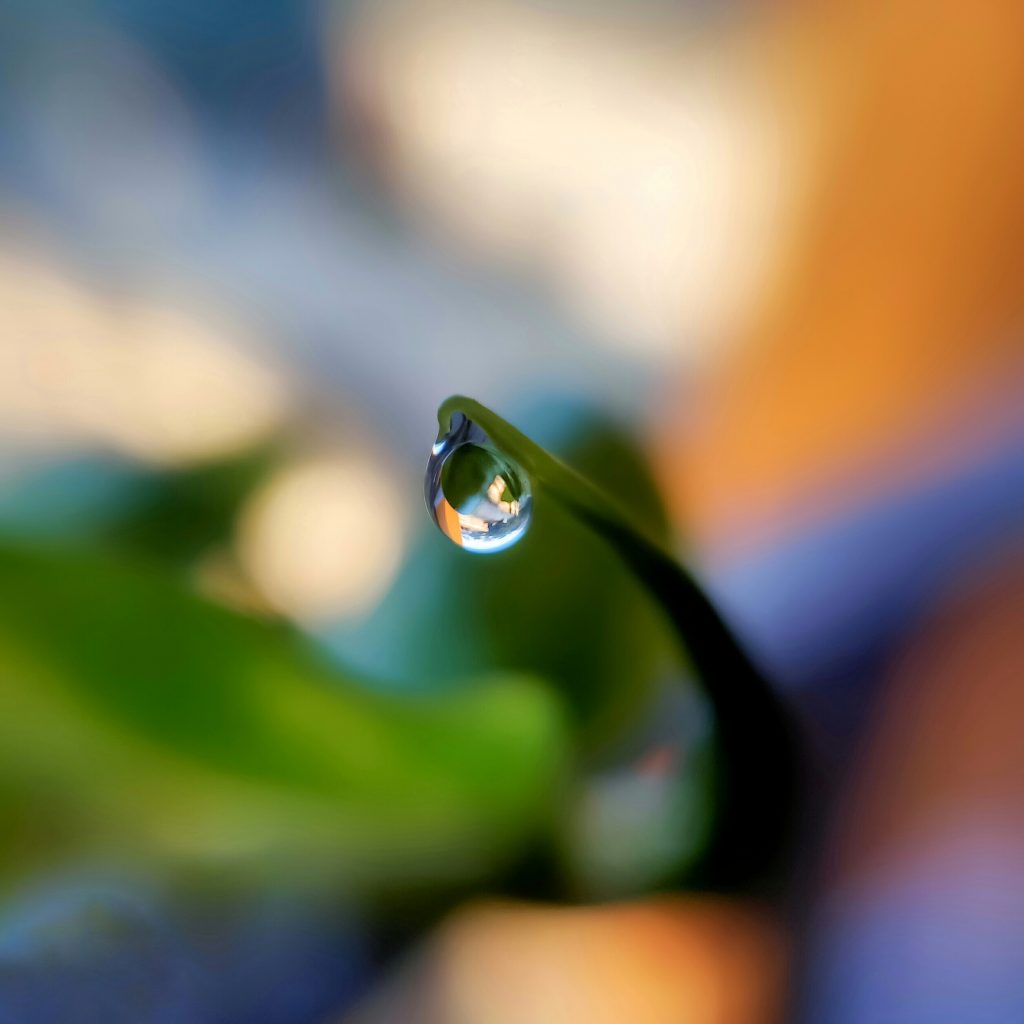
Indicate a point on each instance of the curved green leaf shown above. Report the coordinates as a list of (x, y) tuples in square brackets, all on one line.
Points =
[(758, 769)]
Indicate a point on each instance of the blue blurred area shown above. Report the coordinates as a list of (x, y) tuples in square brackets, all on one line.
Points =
[(254, 66), (827, 606), (934, 938), (81, 950), (237, 61)]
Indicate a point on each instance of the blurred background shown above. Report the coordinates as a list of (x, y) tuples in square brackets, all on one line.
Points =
[(273, 750)]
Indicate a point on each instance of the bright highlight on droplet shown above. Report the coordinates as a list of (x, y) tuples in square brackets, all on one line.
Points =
[(479, 498)]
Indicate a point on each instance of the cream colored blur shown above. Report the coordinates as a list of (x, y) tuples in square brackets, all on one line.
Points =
[(665, 961), (81, 368), (649, 172), (324, 538)]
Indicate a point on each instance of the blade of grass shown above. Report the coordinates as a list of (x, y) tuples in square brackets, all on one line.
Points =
[(758, 765)]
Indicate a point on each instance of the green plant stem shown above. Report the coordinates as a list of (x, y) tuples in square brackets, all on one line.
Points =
[(756, 779)]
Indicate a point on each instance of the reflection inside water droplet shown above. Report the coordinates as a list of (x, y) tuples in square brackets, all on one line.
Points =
[(478, 498)]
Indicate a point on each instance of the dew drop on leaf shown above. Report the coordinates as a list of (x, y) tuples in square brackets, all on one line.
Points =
[(478, 497)]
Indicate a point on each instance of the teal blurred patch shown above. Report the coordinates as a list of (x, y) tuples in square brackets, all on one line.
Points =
[(47, 497)]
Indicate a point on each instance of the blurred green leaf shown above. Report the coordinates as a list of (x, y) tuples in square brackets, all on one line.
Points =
[(140, 722)]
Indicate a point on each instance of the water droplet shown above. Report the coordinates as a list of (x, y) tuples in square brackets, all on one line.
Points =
[(479, 498)]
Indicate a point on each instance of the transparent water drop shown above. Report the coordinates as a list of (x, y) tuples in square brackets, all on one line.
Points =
[(478, 497)]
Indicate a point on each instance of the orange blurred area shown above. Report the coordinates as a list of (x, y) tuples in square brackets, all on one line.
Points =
[(657, 962), (894, 327)]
